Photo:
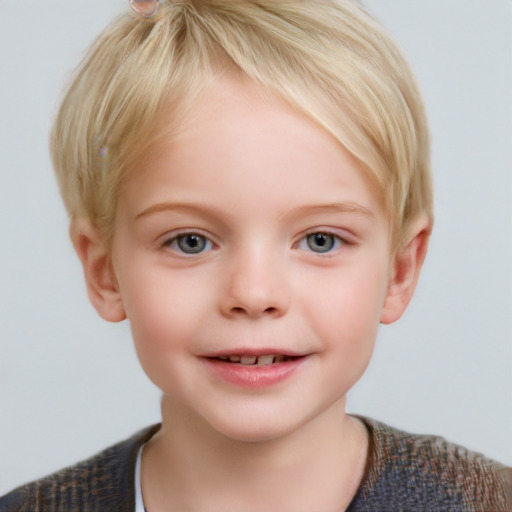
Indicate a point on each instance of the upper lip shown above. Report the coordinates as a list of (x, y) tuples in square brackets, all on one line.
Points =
[(255, 352)]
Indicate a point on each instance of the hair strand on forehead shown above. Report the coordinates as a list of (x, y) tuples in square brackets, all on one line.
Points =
[(329, 59)]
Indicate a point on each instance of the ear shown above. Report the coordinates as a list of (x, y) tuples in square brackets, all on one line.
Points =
[(99, 274), (405, 271)]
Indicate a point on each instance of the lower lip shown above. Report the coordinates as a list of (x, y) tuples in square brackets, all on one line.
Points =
[(254, 376)]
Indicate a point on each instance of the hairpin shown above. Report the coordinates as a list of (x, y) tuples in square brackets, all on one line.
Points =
[(145, 8), (103, 151)]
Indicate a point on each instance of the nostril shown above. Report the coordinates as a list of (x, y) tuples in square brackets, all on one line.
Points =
[(237, 310)]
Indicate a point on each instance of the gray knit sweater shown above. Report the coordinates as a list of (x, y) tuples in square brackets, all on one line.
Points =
[(404, 472)]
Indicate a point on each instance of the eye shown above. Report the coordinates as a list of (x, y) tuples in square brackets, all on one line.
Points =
[(189, 243), (320, 242)]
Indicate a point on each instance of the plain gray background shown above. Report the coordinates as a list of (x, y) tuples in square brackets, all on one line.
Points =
[(70, 383)]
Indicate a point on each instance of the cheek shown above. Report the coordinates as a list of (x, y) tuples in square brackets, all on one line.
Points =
[(165, 318), (162, 306), (345, 309), (347, 322)]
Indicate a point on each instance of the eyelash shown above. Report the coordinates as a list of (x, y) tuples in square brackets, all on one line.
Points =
[(334, 242), (173, 243), (337, 242)]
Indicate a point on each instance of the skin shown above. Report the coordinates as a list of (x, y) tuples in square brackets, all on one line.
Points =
[(252, 181)]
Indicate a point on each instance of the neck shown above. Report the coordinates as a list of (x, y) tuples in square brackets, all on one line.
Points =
[(190, 466)]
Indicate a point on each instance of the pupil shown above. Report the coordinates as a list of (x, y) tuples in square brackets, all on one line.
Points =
[(191, 243), (320, 242)]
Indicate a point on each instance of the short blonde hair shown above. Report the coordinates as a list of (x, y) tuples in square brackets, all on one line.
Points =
[(329, 59)]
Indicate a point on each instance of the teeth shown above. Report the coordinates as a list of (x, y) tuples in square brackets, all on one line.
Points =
[(248, 359), (265, 360)]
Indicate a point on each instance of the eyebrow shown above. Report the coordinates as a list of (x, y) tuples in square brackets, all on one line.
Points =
[(342, 207), (171, 206), (315, 209)]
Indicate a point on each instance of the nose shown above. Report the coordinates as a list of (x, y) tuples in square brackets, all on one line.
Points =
[(256, 286)]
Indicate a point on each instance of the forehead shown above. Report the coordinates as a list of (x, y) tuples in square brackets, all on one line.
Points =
[(237, 142)]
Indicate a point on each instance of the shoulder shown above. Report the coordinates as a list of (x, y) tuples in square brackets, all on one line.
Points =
[(103, 482), (429, 473)]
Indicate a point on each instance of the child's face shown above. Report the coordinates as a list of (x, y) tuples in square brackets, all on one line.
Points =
[(252, 233)]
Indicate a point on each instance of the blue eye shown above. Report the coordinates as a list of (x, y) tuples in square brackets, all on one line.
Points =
[(322, 242), (189, 243)]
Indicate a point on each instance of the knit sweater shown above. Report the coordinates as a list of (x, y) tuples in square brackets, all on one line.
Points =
[(404, 472)]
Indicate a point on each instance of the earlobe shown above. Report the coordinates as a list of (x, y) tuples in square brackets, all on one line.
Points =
[(100, 278), (405, 273)]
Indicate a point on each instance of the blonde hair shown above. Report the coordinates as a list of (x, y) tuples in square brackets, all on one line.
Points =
[(329, 59)]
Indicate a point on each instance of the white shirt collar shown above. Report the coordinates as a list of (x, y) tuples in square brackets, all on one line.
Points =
[(139, 503)]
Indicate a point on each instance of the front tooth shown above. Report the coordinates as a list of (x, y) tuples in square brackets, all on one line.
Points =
[(265, 360), (234, 359), (248, 359), (279, 359)]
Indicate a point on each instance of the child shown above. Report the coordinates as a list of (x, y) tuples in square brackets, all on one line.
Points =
[(248, 183)]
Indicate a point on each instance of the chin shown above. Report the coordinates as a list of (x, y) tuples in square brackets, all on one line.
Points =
[(247, 428), (260, 435)]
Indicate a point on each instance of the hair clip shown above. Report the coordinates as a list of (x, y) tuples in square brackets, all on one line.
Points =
[(103, 151), (145, 8)]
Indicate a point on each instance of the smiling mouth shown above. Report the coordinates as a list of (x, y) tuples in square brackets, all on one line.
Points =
[(263, 360)]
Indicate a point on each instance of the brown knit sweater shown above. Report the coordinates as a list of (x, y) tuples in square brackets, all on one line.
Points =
[(404, 472)]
